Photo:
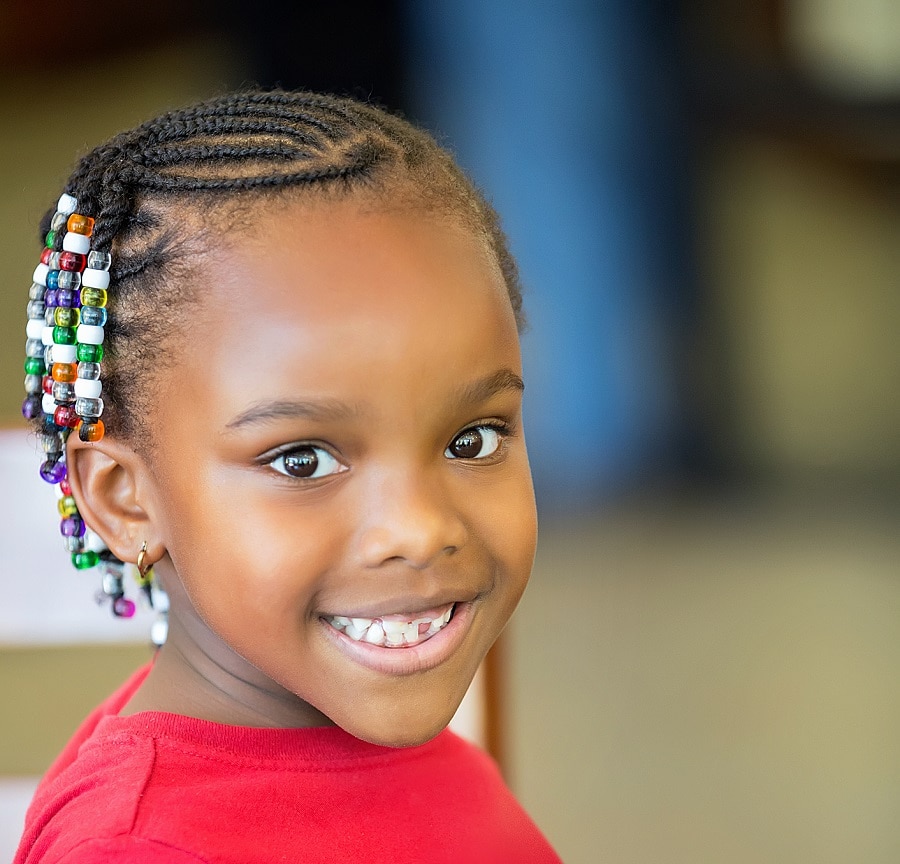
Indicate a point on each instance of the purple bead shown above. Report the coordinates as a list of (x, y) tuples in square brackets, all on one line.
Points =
[(51, 298), (123, 607), (31, 407), (68, 297), (72, 526), (53, 472)]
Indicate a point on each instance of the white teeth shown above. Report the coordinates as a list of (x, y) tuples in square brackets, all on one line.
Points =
[(391, 633), (375, 634)]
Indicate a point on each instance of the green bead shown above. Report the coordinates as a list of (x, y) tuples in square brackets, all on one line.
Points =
[(51, 239), (64, 335), (35, 366), (89, 353), (85, 560)]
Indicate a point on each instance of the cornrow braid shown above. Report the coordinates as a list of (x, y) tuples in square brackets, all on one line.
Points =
[(137, 189)]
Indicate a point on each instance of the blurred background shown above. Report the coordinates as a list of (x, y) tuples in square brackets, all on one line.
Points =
[(704, 198)]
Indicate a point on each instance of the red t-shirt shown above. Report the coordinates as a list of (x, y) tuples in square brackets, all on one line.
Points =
[(156, 788)]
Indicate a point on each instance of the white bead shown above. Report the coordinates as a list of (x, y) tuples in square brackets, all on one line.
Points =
[(90, 334), (40, 274), (73, 242), (88, 388), (47, 335), (48, 403), (91, 278), (63, 353), (66, 204), (94, 541), (34, 329)]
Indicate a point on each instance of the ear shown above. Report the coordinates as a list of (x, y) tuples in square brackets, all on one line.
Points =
[(113, 488)]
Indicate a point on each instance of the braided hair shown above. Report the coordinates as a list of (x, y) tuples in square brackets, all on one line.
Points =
[(154, 197), (221, 152)]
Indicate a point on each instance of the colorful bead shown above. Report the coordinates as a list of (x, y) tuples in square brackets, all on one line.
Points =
[(71, 261), (99, 260), (47, 384), (31, 407), (34, 366), (45, 256), (67, 506), (90, 371), (89, 335), (79, 243), (40, 274), (90, 353), (65, 316), (92, 278), (68, 297), (66, 372), (63, 335), (88, 407), (51, 298), (63, 354), (85, 560), (65, 415), (53, 240), (34, 347), (58, 222), (123, 607), (64, 487), (69, 279), (80, 224), (91, 431), (34, 328), (53, 470), (72, 526), (67, 203), (94, 315), (93, 296), (88, 388), (75, 544), (63, 392)]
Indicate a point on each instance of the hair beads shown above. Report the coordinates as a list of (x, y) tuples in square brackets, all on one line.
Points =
[(64, 346)]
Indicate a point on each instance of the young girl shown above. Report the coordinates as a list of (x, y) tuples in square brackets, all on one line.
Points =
[(272, 355)]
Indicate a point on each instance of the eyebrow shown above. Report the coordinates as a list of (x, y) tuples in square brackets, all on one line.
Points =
[(293, 409), (333, 409)]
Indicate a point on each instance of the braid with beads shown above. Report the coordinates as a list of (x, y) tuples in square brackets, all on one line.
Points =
[(201, 160)]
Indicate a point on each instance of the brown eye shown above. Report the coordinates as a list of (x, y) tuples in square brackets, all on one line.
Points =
[(307, 463), (476, 443)]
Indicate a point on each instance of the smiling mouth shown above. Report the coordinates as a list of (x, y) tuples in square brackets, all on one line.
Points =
[(394, 631)]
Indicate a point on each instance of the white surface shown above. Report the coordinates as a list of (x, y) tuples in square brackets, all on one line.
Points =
[(43, 599), (15, 795)]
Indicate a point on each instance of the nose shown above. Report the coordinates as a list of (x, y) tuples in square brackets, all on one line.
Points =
[(411, 520)]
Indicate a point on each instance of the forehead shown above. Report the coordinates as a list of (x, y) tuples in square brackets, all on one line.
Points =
[(342, 289)]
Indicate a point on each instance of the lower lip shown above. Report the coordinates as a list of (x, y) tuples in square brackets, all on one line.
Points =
[(407, 661)]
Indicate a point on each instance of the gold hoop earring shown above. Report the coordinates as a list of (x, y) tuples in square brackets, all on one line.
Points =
[(144, 567)]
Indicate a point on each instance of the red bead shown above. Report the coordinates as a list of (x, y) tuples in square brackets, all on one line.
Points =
[(45, 256), (72, 261), (65, 415), (64, 487), (47, 384)]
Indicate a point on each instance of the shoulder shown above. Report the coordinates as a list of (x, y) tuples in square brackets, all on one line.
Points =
[(134, 850)]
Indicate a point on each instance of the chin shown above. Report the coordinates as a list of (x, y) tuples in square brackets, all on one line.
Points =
[(403, 727)]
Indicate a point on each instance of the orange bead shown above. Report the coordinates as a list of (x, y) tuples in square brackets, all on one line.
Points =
[(92, 431), (79, 224), (65, 372)]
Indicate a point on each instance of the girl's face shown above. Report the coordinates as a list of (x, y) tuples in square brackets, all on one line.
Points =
[(341, 466)]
